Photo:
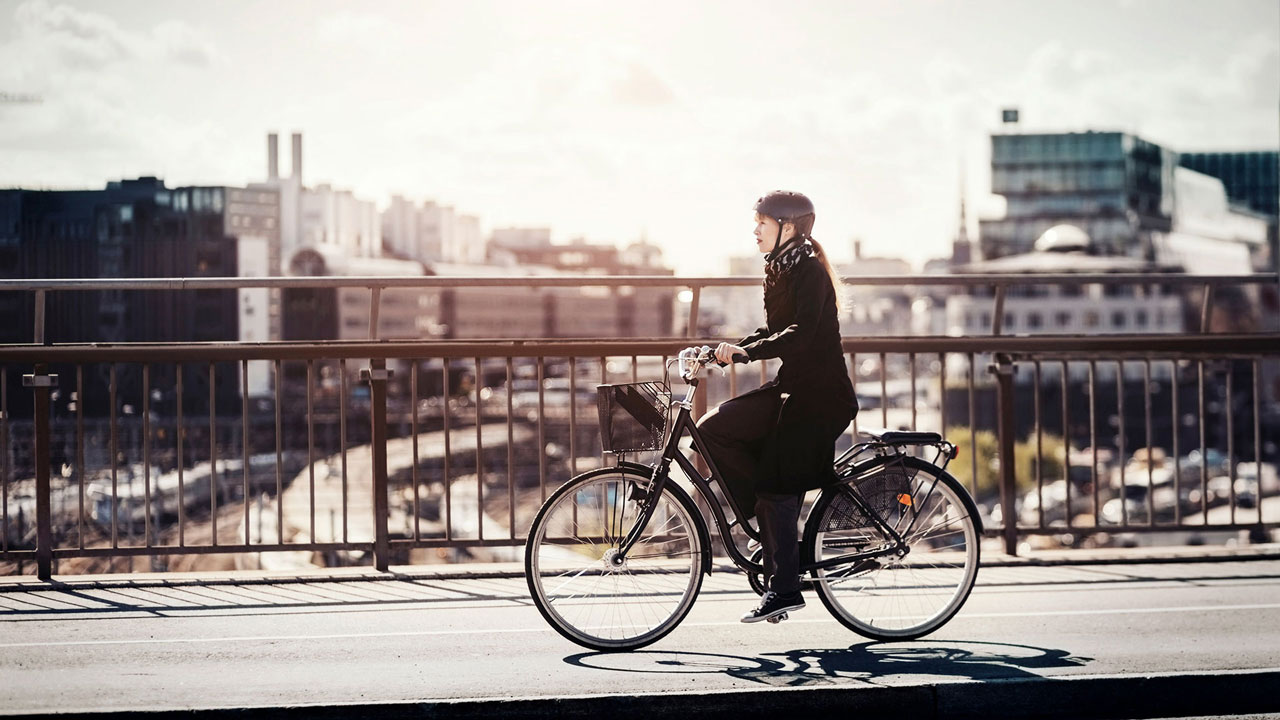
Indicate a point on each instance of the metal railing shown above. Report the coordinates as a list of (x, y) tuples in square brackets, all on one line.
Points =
[(451, 446), (999, 285)]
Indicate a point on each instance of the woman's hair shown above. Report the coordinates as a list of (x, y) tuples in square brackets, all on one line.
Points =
[(804, 225)]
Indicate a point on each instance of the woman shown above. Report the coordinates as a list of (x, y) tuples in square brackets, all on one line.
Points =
[(774, 443)]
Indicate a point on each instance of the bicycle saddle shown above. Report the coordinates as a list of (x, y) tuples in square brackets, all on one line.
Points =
[(901, 437)]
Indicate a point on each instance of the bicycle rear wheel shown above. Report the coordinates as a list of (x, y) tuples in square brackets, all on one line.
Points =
[(897, 596), (574, 574)]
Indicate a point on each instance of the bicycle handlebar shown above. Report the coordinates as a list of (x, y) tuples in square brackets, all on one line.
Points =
[(693, 359)]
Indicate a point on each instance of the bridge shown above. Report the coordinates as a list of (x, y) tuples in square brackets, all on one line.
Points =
[(333, 530), (1090, 634)]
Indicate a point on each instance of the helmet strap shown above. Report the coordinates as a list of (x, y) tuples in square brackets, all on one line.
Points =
[(778, 244)]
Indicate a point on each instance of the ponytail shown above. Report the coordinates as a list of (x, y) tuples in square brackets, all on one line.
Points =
[(804, 226), (837, 286)]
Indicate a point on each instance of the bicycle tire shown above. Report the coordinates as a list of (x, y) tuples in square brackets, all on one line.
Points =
[(582, 593), (896, 597)]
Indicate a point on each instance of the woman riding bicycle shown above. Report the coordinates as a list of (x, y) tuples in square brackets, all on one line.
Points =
[(774, 443)]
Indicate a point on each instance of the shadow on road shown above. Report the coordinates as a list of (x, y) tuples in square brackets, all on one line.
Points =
[(869, 662), (102, 601)]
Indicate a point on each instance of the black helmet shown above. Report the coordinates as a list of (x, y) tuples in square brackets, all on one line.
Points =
[(784, 205)]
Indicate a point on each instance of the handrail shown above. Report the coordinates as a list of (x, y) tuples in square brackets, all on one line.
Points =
[(441, 281), (377, 283), (1221, 345)]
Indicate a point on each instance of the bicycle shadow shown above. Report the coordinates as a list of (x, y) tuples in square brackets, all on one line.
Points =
[(869, 662)]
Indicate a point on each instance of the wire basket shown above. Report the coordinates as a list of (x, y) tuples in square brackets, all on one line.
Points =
[(633, 416)]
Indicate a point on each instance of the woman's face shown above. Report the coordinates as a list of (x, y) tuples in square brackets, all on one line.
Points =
[(767, 233)]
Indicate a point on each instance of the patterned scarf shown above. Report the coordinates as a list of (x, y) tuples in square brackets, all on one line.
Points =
[(783, 262)]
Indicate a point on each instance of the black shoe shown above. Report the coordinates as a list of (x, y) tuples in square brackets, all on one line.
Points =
[(772, 605)]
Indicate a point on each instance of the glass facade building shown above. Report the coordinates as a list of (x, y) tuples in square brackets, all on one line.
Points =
[(1116, 187), (1252, 179)]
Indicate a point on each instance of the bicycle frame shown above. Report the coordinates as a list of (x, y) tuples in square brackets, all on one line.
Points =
[(886, 454)]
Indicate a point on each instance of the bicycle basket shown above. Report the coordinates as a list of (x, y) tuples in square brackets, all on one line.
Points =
[(633, 416)]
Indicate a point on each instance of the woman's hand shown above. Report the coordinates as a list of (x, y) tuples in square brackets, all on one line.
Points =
[(725, 352)]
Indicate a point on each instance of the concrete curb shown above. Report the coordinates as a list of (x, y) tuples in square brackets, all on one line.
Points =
[(495, 571), (1097, 696)]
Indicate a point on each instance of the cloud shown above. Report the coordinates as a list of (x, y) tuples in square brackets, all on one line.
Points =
[(179, 42), (82, 39), (85, 41), (1254, 71), (641, 87)]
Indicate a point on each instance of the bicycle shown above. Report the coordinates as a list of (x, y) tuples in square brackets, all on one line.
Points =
[(616, 556)]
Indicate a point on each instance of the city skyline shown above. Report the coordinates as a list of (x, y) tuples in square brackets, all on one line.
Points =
[(609, 123)]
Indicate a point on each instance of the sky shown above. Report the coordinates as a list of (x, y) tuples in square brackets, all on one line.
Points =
[(615, 121)]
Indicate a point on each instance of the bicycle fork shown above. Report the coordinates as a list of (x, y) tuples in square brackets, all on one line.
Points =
[(648, 500)]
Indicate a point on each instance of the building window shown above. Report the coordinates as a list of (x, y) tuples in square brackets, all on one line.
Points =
[(1010, 320), (1091, 318), (1034, 321), (1140, 318), (1119, 319), (1062, 319)]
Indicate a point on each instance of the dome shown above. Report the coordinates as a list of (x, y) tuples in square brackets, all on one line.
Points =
[(1063, 238)]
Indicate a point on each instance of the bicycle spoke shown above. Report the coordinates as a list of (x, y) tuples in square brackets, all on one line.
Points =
[(621, 602), (898, 597)]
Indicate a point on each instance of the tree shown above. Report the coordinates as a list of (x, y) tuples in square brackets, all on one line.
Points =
[(987, 453)]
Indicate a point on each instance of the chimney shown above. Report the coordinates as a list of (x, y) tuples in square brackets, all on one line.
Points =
[(297, 157), (273, 156), (857, 249)]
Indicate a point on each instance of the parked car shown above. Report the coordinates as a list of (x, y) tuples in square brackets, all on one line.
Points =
[(1136, 504), (1054, 495), (1189, 466)]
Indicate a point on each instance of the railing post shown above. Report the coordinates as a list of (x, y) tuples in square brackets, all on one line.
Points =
[(692, 329), (40, 381), (1003, 368), (377, 376), (38, 331)]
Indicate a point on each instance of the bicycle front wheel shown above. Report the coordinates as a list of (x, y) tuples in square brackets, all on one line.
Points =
[(581, 584), (919, 587)]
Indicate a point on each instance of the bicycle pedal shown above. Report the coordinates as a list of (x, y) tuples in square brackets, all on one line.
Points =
[(777, 618)]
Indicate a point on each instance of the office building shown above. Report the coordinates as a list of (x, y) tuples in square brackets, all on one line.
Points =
[(875, 309), (1130, 197), (319, 216), (1116, 187), (508, 311), (1038, 308), (1251, 179), (139, 229), (431, 233)]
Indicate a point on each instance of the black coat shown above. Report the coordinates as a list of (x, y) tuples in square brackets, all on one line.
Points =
[(802, 328)]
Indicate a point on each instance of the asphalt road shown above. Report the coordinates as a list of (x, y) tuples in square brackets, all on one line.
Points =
[(150, 646)]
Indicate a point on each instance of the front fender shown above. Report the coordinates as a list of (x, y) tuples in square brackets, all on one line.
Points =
[(683, 497)]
